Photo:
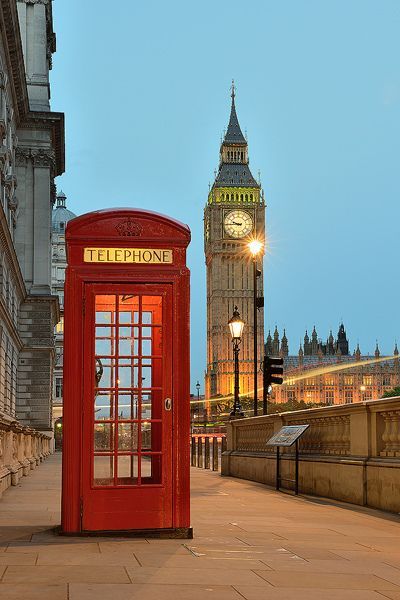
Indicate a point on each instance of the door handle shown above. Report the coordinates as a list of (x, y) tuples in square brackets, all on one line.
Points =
[(168, 403)]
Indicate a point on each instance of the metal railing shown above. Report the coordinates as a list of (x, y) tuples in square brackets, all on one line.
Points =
[(206, 451)]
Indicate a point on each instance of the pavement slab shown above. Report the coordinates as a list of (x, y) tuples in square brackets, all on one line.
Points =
[(11, 591), (250, 543), (153, 591)]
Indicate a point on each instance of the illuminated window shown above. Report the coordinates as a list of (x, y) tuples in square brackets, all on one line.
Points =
[(348, 380), (291, 396), (329, 380), (60, 326), (348, 396), (329, 397), (310, 381), (367, 380)]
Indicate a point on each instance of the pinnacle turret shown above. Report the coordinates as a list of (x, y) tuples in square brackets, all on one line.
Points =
[(234, 134), (234, 160)]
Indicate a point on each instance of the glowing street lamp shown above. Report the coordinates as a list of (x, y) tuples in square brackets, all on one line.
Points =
[(255, 247), (236, 326)]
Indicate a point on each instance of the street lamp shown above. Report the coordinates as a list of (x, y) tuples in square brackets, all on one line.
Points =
[(236, 329), (255, 247)]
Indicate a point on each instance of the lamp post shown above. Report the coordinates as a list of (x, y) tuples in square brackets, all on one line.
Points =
[(236, 329), (255, 247)]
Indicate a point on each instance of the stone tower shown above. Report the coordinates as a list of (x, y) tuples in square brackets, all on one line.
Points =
[(234, 214)]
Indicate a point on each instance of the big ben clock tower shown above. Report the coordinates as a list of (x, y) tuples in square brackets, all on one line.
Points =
[(234, 214)]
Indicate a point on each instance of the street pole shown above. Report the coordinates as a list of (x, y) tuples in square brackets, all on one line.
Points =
[(255, 333), (236, 328), (237, 407)]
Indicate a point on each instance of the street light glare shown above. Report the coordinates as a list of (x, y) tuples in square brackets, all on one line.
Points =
[(255, 247)]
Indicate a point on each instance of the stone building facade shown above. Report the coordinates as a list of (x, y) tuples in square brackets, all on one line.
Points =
[(60, 217), (327, 373), (31, 156), (234, 214)]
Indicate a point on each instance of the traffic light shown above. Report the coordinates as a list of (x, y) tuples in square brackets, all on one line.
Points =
[(273, 371)]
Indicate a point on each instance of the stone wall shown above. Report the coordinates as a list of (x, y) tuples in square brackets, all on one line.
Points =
[(350, 452), (21, 450)]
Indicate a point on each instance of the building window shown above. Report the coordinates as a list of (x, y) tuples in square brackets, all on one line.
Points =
[(291, 396), (310, 381), (60, 326), (348, 396), (329, 380), (387, 380), (348, 380), (367, 380), (329, 397), (59, 387)]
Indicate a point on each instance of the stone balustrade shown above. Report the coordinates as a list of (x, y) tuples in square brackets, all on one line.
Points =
[(349, 452), (21, 450)]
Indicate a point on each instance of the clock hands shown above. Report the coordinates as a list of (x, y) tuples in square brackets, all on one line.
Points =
[(238, 224)]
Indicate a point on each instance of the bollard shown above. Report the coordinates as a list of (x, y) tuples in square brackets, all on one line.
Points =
[(223, 444), (200, 452), (207, 453), (193, 452), (215, 454)]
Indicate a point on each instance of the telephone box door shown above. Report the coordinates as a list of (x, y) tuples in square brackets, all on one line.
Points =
[(127, 416)]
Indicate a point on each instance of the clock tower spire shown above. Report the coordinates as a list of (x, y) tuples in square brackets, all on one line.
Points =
[(234, 214)]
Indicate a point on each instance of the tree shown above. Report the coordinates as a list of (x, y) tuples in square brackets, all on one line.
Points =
[(390, 393)]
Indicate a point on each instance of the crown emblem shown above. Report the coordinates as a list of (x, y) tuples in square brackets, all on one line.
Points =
[(129, 228)]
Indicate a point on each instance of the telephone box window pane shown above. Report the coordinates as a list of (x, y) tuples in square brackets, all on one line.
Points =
[(103, 472), (146, 317), (146, 332), (127, 406), (105, 309), (146, 436), (127, 437), (103, 437), (103, 406), (105, 332), (150, 466), (128, 302), (105, 373), (128, 376), (125, 316), (128, 346), (146, 406), (104, 347), (153, 305), (127, 470), (146, 347), (146, 377)]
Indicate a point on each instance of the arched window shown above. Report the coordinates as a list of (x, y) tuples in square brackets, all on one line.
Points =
[(247, 197), (251, 197), (237, 197), (241, 197), (222, 197)]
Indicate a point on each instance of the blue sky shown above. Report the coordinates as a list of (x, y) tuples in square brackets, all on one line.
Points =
[(145, 88)]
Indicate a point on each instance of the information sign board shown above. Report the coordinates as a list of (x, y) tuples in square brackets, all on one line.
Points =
[(287, 436)]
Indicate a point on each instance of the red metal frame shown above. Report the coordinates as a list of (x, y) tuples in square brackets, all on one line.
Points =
[(86, 507)]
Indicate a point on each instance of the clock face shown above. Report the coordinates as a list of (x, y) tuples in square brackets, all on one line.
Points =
[(238, 223)]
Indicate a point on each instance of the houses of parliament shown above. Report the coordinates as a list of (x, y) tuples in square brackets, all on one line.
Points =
[(328, 373), (321, 372)]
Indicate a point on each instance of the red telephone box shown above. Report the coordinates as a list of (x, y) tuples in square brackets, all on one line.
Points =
[(126, 417)]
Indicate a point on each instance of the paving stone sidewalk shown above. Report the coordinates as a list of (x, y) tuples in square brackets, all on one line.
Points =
[(250, 543)]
